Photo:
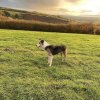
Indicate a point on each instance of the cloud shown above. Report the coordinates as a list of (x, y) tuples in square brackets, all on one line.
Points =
[(74, 12), (73, 1), (63, 10), (38, 3), (85, 11), (11, 1), (35, 5), (55, 6)]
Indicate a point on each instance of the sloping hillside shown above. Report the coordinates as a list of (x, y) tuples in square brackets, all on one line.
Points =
[(26, 15)]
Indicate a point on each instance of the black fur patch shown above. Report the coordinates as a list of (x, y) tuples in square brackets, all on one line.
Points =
[(56, 49)]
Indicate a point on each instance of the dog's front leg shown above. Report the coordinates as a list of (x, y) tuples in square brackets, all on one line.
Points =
[(50, 58)]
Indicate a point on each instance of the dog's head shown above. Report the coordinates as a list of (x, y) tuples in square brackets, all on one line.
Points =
[(42, 43)]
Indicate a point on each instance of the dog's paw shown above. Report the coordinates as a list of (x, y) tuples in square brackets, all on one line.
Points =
[(50, 65)]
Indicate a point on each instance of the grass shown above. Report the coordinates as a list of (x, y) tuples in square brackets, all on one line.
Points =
[(25, 75)]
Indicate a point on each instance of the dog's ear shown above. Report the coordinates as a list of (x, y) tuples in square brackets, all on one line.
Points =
[(40, 39)]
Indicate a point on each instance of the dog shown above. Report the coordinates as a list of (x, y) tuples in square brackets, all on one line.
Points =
[(52, 50)]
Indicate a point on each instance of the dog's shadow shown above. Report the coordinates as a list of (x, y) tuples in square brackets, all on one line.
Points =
[(59, 62), (41, 62)]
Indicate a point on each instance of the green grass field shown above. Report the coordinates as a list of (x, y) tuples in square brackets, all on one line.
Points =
[(25, 74)]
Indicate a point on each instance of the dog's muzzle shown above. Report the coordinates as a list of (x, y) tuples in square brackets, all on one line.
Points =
[(37, 45)]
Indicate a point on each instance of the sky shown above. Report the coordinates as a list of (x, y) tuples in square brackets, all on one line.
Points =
[(57, 7)]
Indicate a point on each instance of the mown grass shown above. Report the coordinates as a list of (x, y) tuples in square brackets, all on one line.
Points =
[(25, 75)]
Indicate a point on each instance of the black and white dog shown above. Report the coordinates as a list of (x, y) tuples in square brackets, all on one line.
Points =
[(52, 50)]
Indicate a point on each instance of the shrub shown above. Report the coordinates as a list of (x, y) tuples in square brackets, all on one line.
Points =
[(85, 28), (6, 13)]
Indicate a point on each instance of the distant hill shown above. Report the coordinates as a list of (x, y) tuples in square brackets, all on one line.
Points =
[(84, 18), (26, 15)]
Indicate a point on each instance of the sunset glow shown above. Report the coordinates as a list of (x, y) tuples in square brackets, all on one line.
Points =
[(83, 7), (69, 7)]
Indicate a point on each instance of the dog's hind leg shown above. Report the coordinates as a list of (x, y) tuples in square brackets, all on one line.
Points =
[(65, 54), (62, 56)]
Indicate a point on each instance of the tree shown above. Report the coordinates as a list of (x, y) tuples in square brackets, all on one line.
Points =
[(16, 16), (6, 13)]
